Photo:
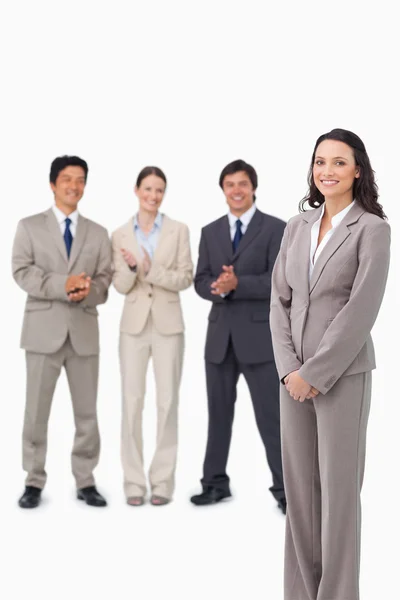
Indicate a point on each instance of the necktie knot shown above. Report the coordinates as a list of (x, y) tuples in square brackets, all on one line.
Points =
[(238, 224), (68, 222)]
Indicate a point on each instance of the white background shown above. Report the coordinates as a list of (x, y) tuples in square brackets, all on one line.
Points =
[(188, 87)]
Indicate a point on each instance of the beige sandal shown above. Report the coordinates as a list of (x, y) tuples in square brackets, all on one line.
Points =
[(159, 500), (135, 500)]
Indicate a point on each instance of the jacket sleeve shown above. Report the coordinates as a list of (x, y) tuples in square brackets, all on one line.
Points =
[(33, 280), (258, 287), (102, 278), (204, 276), (123, 278), (286, 358), (181, 277), (349, 330)]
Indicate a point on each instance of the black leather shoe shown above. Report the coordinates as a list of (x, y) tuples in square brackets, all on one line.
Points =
[(282, 505), (210, 495), (31, 497), (91, 496)]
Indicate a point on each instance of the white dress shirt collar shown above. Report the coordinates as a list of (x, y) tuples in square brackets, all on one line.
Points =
[(60, 216), (337, 219), (245, 218), (315, 249)]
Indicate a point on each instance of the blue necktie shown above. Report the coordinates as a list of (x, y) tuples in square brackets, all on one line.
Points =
[(238, 235), (68, 236)]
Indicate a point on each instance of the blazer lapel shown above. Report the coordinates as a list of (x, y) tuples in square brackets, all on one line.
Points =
[(224, 239), (129, 241), (78, 241), (338, 237), (303, 248), (167, 229), (54, 228), (252, 231)]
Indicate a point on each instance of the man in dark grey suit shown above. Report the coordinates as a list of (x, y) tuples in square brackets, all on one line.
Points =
[(236, 257)]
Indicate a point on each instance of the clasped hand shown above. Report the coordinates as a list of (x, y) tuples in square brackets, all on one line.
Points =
[(225, 283), (298, 388), (77, 287)]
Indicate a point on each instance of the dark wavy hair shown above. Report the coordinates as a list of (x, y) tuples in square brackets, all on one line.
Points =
[(365, 190), (150, 171)]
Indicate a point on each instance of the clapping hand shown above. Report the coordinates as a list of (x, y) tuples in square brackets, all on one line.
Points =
[(128, 257), (226, 282), (146, 261), (77, 287)]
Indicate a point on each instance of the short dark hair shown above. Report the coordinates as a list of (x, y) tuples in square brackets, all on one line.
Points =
[(235, 167), (62, 162), (365, 190), (146, 171)]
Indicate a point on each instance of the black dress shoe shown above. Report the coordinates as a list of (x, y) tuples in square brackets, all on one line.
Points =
[(91, 496), (210, 495), (31, 497), (282, 505)]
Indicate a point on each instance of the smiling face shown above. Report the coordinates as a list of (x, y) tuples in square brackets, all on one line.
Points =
[(68, 188), (238, 191), (335, 170), (150, 193)]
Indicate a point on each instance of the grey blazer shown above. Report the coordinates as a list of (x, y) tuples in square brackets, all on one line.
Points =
[(323, 327), (243, 316), (40, 267)]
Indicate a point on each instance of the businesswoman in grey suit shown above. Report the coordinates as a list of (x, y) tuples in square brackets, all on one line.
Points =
[(152, 264), (328, 283)]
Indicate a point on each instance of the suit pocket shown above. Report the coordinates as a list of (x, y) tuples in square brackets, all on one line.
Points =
[(213, 316), (260, 316), (92, 310), (38, 305)]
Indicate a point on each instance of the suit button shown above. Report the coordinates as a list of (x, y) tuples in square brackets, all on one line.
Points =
[(150, 295)]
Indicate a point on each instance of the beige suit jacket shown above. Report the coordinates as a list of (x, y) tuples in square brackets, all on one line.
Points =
[(40, 267), (322, 327), (158, 292)]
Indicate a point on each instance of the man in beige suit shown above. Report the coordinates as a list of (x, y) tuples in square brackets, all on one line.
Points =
[(152, 264), (63, 261)]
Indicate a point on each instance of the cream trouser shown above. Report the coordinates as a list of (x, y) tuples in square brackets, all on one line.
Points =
[(167, 354)]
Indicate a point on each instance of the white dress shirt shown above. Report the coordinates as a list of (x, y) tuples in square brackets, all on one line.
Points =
[(60, 216), (316, 251), (245, 220)]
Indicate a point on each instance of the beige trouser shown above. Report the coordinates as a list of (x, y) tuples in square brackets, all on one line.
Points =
[(167, 354), (43, 371), (323, 451)]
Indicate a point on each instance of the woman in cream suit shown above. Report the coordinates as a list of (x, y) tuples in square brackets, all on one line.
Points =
[(152, 264), (328, 284)]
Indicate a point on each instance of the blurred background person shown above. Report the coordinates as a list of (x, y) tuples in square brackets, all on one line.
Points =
[(63, 262), (236, 256), (152, 264)]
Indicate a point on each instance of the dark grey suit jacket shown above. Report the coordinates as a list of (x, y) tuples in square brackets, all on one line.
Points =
[(243, 316)]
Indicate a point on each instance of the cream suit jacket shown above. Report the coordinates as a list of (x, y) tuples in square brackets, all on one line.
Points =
[(41, 268), (158, 292), (323, 327)]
